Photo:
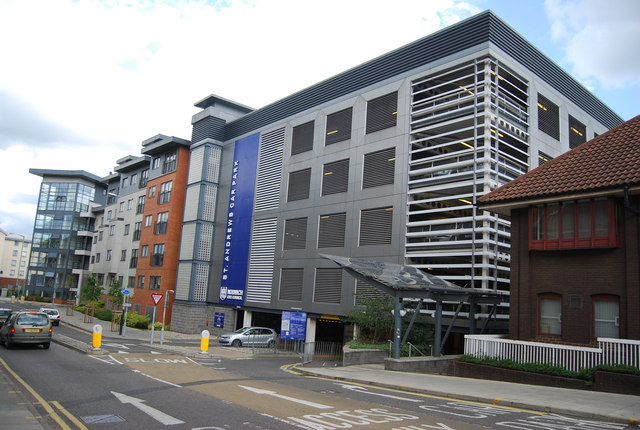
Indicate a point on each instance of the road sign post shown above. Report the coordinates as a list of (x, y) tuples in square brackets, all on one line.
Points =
[(156, 297)]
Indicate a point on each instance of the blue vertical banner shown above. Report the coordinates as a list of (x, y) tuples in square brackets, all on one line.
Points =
[(237, 236)]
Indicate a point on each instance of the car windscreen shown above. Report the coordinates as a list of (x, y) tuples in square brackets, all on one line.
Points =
[(50, 311), (4, 313), (32, 319)]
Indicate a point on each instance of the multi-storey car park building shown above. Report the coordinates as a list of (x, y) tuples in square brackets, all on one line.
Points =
[(384, 161)]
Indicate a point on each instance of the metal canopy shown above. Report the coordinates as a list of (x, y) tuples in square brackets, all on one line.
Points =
[(407, 282)]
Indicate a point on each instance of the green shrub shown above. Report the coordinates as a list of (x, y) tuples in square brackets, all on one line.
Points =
[(158, 326), (102, 313), (359, 344), (137, 321)]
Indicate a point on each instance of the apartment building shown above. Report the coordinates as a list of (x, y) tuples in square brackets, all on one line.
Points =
[(14, 259), (384, 161)]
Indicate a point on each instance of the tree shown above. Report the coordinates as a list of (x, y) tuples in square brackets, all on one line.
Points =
[(374, 319), (93, 290), (115, 291)]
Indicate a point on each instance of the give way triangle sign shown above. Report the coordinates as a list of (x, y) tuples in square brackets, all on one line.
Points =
[(156, 298)]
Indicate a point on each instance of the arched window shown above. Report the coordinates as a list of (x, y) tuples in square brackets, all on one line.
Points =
[(550, 314)]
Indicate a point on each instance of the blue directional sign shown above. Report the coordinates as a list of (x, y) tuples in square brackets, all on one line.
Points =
[(218, 319), (125, 292)]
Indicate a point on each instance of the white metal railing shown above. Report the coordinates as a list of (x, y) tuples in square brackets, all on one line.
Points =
[(575, 358)]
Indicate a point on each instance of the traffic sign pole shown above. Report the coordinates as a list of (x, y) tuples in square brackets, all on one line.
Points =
[(153, 323)]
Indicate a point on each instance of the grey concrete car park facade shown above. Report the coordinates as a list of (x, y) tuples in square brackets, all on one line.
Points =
[(400, 149)]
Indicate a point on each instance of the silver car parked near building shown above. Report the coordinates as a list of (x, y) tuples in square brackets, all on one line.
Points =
[(250, 336)]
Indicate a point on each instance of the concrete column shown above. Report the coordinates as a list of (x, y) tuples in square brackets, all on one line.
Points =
[(247, 319)]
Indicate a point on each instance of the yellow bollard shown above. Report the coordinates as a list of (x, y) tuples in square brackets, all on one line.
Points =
[(204, 342), (97, 336)]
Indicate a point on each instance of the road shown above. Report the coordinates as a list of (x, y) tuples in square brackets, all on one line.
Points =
[(136, 387)]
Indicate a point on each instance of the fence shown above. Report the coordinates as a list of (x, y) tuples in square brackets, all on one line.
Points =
[(575, 358), (322, 351)]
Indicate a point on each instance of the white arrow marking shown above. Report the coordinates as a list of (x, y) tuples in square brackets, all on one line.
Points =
[(115, 345), (365, 391), (281, 396), (159, 416)]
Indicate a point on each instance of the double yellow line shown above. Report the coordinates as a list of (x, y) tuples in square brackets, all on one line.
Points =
[(47, 407)]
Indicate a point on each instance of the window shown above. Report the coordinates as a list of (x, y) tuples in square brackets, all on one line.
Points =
[(335, 177), (170, 162), (140, 281), (375, 226), (550, 314), (133, 263), (121, 206), (148, 220), (152, 191), (328, 285), (144, 251), (131, 282), (548, 117), (338, 126), (299, 183), (154, 282), (606, 317), (155, 163), (302, 139), (382, 112), (134, 179), (577, 133), (123, 255), (14, 253), (586, 223), (129, 204), (97, 257), (161, 223), (109, 254), (112, 230), (291, 281), (165, 192), (379, 168), (126, 229), (543, 158), (157, 258), (295, 233), (144, 177), (331, 230), (140, 207), (137, 230)]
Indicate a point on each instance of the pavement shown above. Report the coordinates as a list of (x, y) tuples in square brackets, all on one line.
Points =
[(15, 413)]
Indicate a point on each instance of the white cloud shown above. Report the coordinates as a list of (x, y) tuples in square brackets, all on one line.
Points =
[(87, 81), (600, 39)]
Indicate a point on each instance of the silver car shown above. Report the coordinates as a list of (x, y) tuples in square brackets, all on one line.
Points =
[(26, 327), (250, 336)]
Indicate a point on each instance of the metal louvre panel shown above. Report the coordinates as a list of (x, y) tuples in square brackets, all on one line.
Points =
[(205, 237), (577, 133), (382, 112), (548, 117), (191, 203), (187, 242), (291, 284), (196, 160), (212, 173), (295, 234), (335, 177), (339, 126), (328, 286), (379, 168), (183, 281), (269, 178), (299, 183), (262, 256), (208, 128), (375, 226), (302, 138), (200, 282), (365, 292), (331, 230), (209, 197)]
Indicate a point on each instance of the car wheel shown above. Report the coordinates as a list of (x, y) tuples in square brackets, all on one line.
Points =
[(46, 345), (271, 344), (236, 343)]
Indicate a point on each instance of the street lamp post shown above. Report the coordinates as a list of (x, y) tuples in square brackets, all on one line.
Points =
[(164, 312)]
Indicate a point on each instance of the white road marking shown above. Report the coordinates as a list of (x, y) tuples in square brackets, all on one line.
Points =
[(282, 396), (366, 391), (157, 379), (156, 414)]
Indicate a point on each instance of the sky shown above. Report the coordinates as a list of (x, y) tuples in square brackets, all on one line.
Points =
[(84, 82)]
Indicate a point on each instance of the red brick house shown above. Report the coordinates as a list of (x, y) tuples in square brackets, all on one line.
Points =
[(575, 242)]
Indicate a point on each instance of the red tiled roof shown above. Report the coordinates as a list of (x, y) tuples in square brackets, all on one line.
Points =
[(610, 160)]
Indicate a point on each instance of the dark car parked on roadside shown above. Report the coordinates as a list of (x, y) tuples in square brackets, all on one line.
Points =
[(26, 327)]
